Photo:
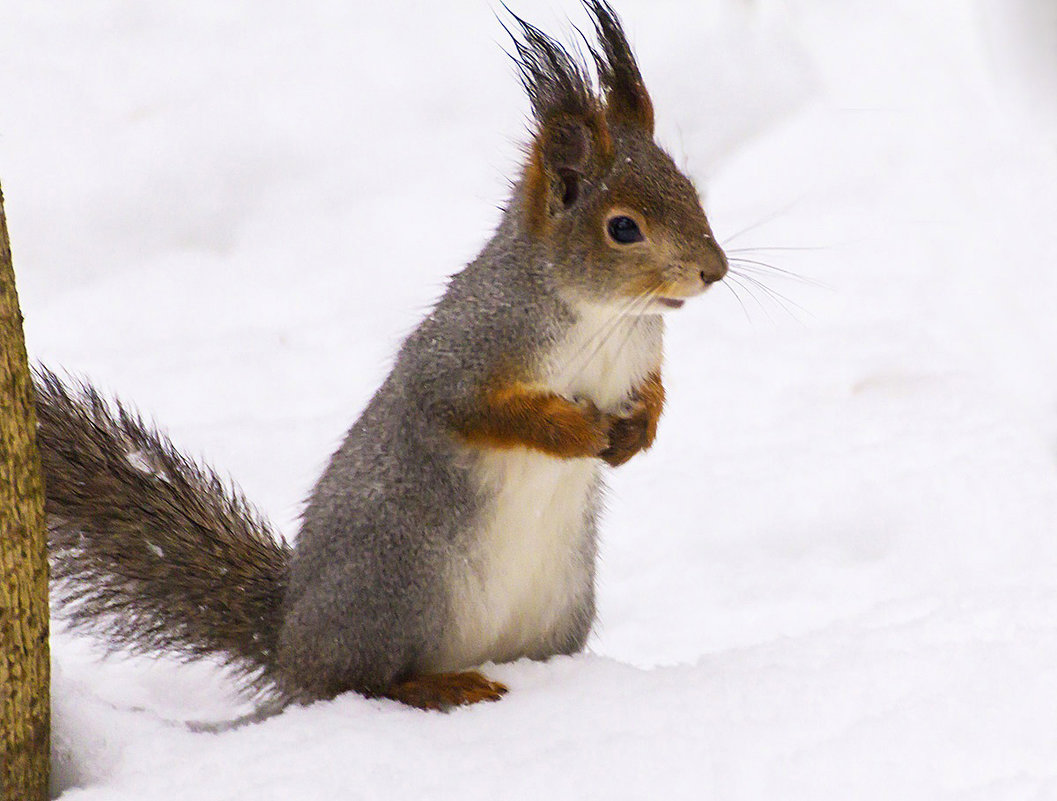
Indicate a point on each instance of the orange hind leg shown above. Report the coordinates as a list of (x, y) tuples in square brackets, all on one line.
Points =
[(443, 691)]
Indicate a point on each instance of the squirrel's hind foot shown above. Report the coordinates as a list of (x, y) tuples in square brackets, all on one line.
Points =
[(444, 691)]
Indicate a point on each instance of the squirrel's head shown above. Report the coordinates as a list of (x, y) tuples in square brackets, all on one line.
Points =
[(619, 221)]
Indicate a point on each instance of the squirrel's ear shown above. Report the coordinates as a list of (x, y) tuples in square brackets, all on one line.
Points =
[(565, 152), (569, 150), (572, 139), (627, 101)]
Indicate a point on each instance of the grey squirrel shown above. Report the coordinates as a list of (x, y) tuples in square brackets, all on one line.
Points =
[(456, 524)]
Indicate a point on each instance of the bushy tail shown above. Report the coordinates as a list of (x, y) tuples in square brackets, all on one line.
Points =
[(148, 548)]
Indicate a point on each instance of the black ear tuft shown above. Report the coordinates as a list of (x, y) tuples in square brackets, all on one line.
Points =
[(627, 101), (556, 82)]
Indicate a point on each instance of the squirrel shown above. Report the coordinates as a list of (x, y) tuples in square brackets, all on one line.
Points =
[(456, 523)]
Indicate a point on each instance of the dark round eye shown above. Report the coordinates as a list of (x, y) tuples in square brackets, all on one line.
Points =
[(624, 230)]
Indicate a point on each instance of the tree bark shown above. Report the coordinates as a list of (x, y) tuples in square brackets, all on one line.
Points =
[(24, 660)]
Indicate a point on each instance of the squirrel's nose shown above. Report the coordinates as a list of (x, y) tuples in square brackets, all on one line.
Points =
[(715, 264)]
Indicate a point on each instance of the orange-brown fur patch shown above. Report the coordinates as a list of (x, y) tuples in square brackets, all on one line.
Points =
[(600, 138), (442, 691), (636, 431), (536, 191), (519, 416), (651, 393)]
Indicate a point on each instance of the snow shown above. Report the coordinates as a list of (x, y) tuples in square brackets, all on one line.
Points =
[(833, 577)]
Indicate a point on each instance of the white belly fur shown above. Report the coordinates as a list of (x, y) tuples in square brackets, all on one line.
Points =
[(528, 568)]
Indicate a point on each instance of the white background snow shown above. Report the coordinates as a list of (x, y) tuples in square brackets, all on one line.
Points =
[(835, 576)]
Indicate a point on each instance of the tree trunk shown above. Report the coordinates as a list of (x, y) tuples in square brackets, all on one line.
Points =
[(24, 665)]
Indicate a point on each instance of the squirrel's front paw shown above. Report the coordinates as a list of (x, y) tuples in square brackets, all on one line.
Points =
[(629, 433), (596, 436)]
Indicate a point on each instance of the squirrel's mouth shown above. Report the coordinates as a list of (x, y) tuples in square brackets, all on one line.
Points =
[(671, 303)]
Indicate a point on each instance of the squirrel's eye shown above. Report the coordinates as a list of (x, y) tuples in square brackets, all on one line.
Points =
[(624, 230)]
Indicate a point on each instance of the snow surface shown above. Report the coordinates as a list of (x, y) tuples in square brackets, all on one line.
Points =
[(835, 576)]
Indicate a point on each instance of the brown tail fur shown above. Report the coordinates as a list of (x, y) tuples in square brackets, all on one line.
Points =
[(147, 547)]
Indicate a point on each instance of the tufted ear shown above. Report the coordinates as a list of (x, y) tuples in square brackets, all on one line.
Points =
[(571, 142), (627, 101)]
